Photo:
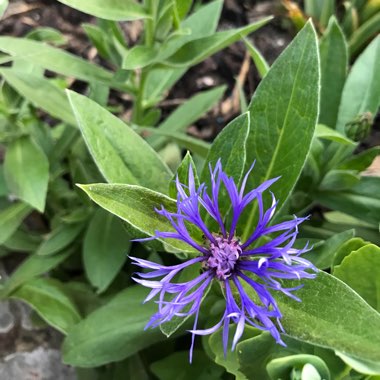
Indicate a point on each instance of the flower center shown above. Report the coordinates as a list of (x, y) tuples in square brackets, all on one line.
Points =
[(223, 256)]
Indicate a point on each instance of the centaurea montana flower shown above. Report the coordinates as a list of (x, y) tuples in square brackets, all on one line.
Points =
[(238, 266)]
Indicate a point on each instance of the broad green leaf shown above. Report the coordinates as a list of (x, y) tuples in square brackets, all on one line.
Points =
[(35, 89), (361, 271), (361, 161), (328, 317), (327, 133), (177, 367), (183, 175), (361, 91), (193, 144), (336, 180), (281, 131), (136, 205), (105, 249), (183, 6), (48, 298), (260, 62), (282, 368), (345, 249), (120, 153), (187, 113), (59, 238), (334, 62), (369, 186), (323, 256), (32, 267), (196, 51), (363, 366), (54, 59), (112, 332), (26, 170), (10, 218), (117, 10)]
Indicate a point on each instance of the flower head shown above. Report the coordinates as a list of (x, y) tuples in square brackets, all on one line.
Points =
[(241, 267)]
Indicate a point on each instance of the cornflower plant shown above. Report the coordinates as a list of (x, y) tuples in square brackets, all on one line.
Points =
[(223, 257)]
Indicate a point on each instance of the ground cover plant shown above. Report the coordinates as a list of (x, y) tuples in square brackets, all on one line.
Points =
[(261, 249)]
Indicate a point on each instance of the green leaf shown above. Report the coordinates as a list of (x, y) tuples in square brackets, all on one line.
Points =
[(177, 366), (187, 113), (54, 59), (334, 63), (59, 238), (260, 62), (282, 130), (183, 175), (117, 10), (328, 317), (22, 240), (327, 133), (112, 332), (361, 36), (26, 170), (360, 161), (47, 34), (138, 57), (47, 297), (196, 51), (336, 180), (120, 153), (105, 249), (361, 271), (346, 248), (363, 366), (282, 368), (10, 218), (35, 89), (136, 205), (361, 91), (322, 257), (32, 267), (193, 144), (3, 7)]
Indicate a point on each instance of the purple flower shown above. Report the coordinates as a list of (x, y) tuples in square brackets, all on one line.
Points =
[(240, 267)]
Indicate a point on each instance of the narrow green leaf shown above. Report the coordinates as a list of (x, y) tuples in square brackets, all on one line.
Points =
[(187, 113), (327, 133), (136, 205), (138, 57), (282, 130), (117, 10), (47, 297), (32, 267), (196, 51), (105, 249), (54, 59), (361, 271), (328, 317), (337, 180), (361, 91), (364, 33), (112, 332), (26, 170), (59, 238), (361, 161), (193, 144), (183, 175), (10, 218), (334, 64), (120, 153), (35, 89), (3, 7), (260, 62)]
